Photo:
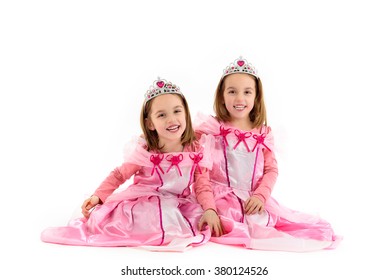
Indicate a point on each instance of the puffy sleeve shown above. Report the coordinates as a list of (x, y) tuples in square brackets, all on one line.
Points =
[(135, 152), (264, 186), (205, 146), (205, 124), (135, 156)]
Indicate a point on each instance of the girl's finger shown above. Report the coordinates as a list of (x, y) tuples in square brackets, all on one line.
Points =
[(220, 230), (201, 223), (217, 231), (248, 206), (253, 209)]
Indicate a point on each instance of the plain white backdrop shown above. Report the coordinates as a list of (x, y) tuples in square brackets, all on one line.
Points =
[(72, 79)]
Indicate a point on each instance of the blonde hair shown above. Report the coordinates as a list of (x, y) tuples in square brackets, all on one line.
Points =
[(151, 136), (257, 114)]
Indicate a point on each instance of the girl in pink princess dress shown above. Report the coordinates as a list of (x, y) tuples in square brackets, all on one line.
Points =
[(156, 212), (245, 171)]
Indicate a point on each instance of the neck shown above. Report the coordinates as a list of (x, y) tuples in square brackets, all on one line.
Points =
[(242, 124), (172, 147)]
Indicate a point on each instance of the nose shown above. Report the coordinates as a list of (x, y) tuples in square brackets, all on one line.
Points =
[(170, 118), (239, 97)]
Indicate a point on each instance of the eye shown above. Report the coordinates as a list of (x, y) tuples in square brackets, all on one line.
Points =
[(231, 92), (248, 92), (160, 115), (177, 111)]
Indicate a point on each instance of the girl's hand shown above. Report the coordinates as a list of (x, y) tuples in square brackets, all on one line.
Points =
[(253, 205), (211, 218), (89, 204)]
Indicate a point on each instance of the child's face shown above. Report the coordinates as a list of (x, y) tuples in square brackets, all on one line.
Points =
[(167, 117), (239, 95)]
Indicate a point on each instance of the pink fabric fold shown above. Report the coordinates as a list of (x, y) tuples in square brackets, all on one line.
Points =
[(156, 212), (244, 166)]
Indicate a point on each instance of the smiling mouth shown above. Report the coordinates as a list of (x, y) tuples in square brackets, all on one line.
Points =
[(239, 107), (173, 128)]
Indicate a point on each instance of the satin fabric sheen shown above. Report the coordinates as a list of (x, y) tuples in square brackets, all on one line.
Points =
[(238, 169), (156, 212)]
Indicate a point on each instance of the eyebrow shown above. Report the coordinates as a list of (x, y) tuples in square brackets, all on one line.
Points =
[(175, 107), (235, 88)]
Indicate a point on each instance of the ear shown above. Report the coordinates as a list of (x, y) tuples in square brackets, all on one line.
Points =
[(149, 124)]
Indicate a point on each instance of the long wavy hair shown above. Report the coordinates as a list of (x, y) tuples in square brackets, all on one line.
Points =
[(257, 114), (151, 136)]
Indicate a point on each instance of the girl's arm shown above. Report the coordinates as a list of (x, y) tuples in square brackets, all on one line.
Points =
[(117, 177), (264, 187), (204, 194), (203, 190)]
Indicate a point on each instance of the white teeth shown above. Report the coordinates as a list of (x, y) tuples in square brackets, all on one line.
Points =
[(239, 107), (173, 128)]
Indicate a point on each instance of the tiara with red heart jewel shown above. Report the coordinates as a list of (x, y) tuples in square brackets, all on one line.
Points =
[(240, 65), (161, 86)]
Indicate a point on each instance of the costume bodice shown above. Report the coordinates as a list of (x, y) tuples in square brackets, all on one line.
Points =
[(242, 160), (169, 173)]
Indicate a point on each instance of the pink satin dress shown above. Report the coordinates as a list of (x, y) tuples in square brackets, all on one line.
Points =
[(156, 212), (245, 166)]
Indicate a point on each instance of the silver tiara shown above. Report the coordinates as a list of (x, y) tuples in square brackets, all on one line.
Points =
[(240, 65), (161, 86)]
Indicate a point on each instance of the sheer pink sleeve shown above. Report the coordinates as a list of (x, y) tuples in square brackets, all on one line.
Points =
[(205, 124)]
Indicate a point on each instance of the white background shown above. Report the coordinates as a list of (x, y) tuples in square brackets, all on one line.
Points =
[(72, 79)]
